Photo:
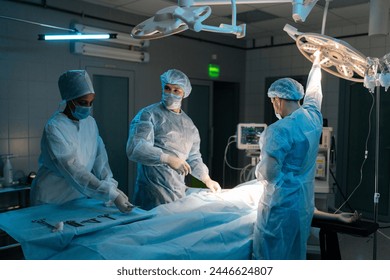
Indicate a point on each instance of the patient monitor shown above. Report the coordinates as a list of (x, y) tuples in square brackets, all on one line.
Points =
[(248, 135)]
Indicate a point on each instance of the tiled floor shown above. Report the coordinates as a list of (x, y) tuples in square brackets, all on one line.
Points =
[(362, 248), (357, 248)]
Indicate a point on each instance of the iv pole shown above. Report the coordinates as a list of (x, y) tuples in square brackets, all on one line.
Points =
[(376, 193)]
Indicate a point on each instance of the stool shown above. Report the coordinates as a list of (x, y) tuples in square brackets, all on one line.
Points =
[(329, 243)]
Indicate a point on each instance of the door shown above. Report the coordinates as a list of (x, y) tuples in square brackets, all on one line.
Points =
[(113, 109), (198, 106), (214, 109)]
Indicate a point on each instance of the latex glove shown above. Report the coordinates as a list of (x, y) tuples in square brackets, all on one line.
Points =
[(178, 164), (212, 185), (317, 56), (122, 203), (122, 193)]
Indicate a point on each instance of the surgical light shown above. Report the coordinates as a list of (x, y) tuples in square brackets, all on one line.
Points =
[(337, 57), (187, 15), (76, 37)]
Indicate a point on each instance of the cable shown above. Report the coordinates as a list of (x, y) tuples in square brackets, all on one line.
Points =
[(230, 141), (338, 187), (38, 23), (365, 153), (245, 175)]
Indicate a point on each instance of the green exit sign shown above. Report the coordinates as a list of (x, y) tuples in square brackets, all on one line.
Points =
[(213, 71)]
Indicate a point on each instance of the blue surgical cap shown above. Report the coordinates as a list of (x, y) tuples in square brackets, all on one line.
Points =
[(286, 88), (74, 84), (176, 77)]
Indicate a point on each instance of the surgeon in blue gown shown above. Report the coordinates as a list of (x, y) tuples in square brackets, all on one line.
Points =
[(165, 143), (287, 168), (73, 162)]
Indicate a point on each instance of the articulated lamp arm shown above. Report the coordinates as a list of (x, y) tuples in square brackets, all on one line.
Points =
[(175, 19)]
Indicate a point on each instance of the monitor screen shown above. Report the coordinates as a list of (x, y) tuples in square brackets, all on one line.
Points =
[(248, 135)]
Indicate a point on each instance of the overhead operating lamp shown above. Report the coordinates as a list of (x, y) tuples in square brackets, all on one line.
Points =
[(337, 57), (189, 14)]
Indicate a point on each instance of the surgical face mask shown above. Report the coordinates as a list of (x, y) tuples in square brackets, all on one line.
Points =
[(81, 112), (276, 114), (171, 101)]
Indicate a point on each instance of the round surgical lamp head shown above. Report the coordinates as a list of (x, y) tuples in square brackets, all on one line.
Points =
[(161, 25), (337, 57), (171, 20)]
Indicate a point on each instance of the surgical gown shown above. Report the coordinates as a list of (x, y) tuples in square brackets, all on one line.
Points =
[(153, 131), (287, 168), (73, 163)]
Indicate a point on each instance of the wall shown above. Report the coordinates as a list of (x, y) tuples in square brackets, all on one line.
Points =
[(30, 70)]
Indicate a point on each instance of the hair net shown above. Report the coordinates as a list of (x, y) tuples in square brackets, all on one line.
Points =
[(74, 83), (176, 77), (286, 88)]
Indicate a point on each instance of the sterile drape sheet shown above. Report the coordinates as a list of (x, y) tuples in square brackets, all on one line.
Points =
[(200, 226)]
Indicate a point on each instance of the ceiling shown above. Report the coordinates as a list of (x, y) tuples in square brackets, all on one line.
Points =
[(262, 20)]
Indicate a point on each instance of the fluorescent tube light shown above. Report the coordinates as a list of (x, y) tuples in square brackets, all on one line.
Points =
[(76, 37), (108, 52), (121, 37)]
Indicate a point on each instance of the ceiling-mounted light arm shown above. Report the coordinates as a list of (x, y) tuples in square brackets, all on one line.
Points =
[(301, 8), (175, 19), (193, 18), (292, 31), (325, 16)]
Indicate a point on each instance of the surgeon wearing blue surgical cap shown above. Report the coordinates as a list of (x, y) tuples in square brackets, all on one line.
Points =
[(165, 143), (287, 169), (73, 161)]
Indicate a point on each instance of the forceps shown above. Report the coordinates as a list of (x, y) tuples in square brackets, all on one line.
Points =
[(58, 227), (106, 216), (92, 220), (43, 222), (73, 223)]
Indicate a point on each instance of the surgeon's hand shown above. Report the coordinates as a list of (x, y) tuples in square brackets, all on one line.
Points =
[(212, 185), (123, 204), (317, 57), (178, 164), (122, 193)]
